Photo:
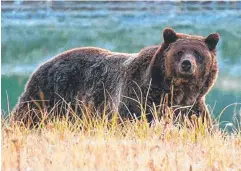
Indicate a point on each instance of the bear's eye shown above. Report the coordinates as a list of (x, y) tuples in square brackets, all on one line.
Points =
[(198, 56), (180, 53)]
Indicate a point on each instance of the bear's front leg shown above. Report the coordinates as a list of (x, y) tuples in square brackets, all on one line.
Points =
[(201, 110)]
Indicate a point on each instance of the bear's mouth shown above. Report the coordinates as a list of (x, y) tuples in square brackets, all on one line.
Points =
[(183, 78), (186, 75)]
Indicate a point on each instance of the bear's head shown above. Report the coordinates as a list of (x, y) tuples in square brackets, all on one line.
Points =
[(189, 57)]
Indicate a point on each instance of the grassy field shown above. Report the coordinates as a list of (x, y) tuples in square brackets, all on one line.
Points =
[(93, 143)]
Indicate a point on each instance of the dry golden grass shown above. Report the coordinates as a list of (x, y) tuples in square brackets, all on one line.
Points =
[(99, 144)]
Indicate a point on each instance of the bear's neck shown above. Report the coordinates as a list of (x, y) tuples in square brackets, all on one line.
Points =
[(149, 69)]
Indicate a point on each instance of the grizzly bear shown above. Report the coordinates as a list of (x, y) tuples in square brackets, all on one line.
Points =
[(183, 66)]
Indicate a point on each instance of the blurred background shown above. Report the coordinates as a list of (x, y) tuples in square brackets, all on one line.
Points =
[(33, 32)]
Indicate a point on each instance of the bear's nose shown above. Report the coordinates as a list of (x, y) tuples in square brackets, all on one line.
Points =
[(186, 65)]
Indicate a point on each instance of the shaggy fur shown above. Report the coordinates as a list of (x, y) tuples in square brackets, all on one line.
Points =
[(99, 77)]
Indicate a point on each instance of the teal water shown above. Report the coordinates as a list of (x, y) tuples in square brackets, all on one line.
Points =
[(33, 32)]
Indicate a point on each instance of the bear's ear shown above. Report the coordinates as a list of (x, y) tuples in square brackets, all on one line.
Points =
[(169, 35), (212, 41)]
